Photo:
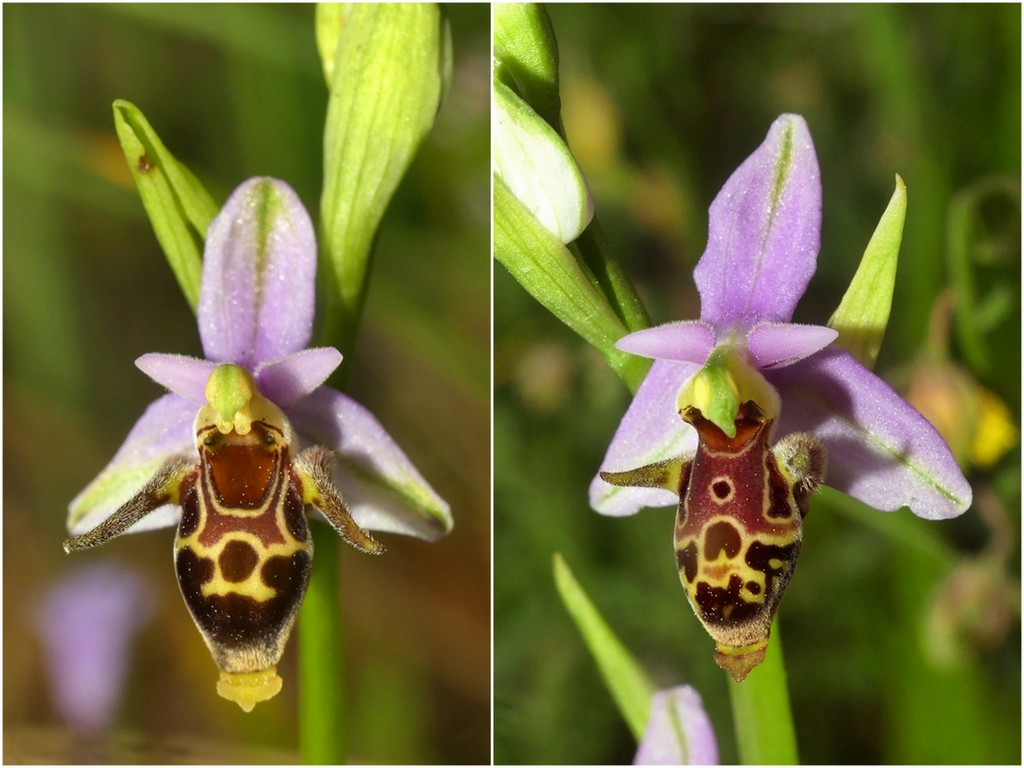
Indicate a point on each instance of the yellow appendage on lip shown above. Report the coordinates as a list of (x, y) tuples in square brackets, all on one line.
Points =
[(233, 403), (738, 661), (247, 689)]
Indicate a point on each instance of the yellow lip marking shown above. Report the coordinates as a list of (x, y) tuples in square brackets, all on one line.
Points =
[(247, 689)]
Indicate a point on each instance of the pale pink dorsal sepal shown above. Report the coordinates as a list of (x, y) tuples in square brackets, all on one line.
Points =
[(763, 232), (259, 267)]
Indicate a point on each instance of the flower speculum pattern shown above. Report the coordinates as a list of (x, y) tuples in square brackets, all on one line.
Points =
[(243, 552), (739, 524)]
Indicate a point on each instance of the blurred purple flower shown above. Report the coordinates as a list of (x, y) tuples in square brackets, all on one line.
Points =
[(87, 622), (763, 238), (679, 731), (256, 307)]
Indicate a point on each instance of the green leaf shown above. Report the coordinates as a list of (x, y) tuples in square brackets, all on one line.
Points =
[(178, 206), (626, 680), (387, 83), (553, 276), (526, 57), (536, 165), (863, 314)]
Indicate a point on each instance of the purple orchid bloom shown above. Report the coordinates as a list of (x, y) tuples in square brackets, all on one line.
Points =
[(256, 308), (87, 622), (679, 731), (763, 240)]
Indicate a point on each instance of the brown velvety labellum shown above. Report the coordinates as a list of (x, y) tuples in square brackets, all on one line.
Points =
[(243, 551), (738, 535)]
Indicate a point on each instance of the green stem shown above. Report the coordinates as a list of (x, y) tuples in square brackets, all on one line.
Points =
[(760, 711), (321, 691)]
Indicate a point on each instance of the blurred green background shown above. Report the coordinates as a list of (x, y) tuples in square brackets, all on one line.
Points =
[(902, 636), (236, 91)]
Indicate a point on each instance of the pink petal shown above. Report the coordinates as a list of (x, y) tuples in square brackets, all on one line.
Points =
[(685, 341), (88, 621), (881, 450), (776, 345), (650, 431), (382, 488), (184, 376), (691, 743), (259, 265), (763, 232), (291, 378), (164, 430)]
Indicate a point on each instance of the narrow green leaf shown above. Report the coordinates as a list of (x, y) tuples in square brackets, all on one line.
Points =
[(386, 88), (863, 314), (526, 57), (626, 680), (178, 206), (552, 275)]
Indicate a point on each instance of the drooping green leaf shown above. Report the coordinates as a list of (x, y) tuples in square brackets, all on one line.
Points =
[(553, 276), (178, 206), (625, 678), (863, 314), (387, 83)]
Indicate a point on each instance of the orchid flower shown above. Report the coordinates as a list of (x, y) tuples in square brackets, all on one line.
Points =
[(220, 453), (256, 310), (87, 622), (679, 731), (738, 375), (762, 248)]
